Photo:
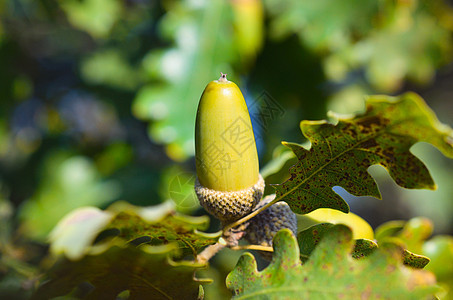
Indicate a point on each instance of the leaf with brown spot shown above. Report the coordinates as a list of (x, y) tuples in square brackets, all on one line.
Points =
[(414, 260), (162, 226), (309, 238), (125, 248), (341, 154), (380, 276)]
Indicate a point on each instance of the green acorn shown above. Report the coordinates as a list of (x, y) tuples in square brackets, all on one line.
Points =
[(263, 227), (229, 184)]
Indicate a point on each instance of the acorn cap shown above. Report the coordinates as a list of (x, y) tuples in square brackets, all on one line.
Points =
[(230, 206), (263, 227), (225, 149)]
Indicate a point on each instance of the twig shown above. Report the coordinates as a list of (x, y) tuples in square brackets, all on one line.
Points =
[(209, 252), (253, 247)]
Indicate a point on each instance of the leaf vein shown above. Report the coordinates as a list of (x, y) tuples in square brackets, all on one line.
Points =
[(354, 146)]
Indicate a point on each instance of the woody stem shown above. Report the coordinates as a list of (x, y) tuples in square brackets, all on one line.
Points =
[(209, 252)]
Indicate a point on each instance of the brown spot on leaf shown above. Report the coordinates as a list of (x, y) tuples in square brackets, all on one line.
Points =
[(370, 121), (366, 294), (390, 269), (369, 143)]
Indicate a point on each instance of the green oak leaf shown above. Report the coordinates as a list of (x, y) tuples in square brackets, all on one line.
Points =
[(156, 225), (415, 232), (414, 260), (309, 238), (388, 229), (162, 227), (341, 154), (146, 272), (363, 248), (330, 272), (412, 234)]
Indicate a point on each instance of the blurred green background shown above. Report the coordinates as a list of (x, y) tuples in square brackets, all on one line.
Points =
[(98, 98)]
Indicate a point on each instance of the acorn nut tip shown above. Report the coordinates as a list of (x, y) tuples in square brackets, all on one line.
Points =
[(228, 181)]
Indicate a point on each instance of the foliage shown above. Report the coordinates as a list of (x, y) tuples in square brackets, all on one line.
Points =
[(125, 226), (344, 33), (310, 237), (156, 225), (413, 235), (360, 228), (98, 100), (342, 153), (143, 240), (329, 272), (116, 269)]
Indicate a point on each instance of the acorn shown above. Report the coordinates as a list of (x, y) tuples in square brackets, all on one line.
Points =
[(263, 227), (228, 182)]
